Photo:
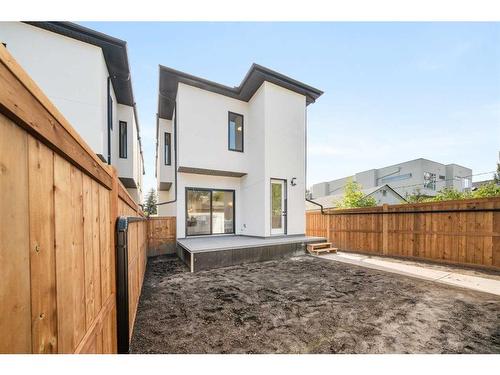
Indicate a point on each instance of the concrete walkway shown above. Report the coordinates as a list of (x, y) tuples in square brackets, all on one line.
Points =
[(451, 275)]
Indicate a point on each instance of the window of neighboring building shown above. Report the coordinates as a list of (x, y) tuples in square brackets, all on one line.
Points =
[(397, 177), (430, 180), (123, 139), (466, 183), (441, 177), (166, 149), (235, 132)]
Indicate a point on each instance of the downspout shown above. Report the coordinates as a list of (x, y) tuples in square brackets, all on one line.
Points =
[(175, 154), (308, 200), (110, 119)]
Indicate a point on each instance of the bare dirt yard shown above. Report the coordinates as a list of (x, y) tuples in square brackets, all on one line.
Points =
[(308, 305)]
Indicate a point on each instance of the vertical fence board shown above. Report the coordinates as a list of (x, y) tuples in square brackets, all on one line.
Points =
[(92, 273), (15, 309), (105, 245), (69, 255), (42, 250)]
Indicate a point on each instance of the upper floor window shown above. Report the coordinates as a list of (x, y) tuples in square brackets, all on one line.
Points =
[(123, 139), (166, 149), (235, 132), (430, 180)]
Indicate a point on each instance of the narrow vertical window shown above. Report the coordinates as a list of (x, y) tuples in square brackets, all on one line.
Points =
[(167, 152), (235, 132), (123, 139)]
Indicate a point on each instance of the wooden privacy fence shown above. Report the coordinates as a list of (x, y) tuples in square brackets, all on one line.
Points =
[(460, 231), (161, 235), (59, 204)]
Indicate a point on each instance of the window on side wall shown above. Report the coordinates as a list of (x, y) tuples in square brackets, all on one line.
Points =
[(166, 149), (430, 180), (235, 132), (123, 139)]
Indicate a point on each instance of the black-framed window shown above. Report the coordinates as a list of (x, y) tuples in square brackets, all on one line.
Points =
[(122, 139), (167, 153), (209, 211), (235, 132)]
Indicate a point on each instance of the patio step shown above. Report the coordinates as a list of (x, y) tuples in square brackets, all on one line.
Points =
[(319, 248)]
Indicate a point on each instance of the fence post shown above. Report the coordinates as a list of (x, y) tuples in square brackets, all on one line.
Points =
[(328, 228), (385, 230), (113, 215)]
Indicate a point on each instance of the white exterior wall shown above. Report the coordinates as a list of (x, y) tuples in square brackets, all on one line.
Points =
[(202, 127), (388, 198), (74, 76), (285, 152), (458, 177), (253, 185), (165, 173), (69, 72), (274, 147)]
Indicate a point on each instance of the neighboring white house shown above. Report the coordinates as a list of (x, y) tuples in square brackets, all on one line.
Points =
[(86, 75), (382, 194), (419, 175), (232, 160)]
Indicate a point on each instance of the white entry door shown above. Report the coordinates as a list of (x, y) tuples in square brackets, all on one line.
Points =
[(278, 207)]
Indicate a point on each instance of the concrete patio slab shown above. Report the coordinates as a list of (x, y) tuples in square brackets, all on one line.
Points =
[(483, 282)]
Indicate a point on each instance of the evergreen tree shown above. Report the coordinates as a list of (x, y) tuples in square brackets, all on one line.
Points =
[(150, 203)]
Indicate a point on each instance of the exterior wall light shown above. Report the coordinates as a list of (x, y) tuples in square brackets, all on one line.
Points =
[(293, 181)]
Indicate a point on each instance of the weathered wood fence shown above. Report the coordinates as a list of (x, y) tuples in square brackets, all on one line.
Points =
[(461, 231), (59, 204)]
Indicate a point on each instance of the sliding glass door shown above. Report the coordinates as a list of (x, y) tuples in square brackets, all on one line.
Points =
[(209, 211)]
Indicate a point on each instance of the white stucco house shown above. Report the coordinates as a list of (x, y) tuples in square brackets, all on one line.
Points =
[(232, 160), (86, 75)]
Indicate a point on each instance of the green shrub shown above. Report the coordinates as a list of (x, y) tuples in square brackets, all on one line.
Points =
[(487, 190), (354, 197)]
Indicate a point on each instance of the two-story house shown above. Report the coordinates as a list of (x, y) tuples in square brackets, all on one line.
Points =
[(86, 74), (232, 160)]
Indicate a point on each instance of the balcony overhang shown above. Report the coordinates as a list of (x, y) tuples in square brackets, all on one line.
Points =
[(210, 172), (164, 186), (128, 182)]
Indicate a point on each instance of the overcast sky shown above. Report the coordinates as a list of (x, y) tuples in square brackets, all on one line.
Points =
[(393, 91)]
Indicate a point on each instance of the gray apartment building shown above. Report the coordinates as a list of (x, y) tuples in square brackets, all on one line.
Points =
[(406, 178)]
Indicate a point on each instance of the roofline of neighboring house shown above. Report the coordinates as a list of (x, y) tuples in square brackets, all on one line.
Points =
[(394, 191), (169, 80), (365, 195), (115, 55)]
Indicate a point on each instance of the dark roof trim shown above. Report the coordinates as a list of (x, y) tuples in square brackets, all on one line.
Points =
[(114, 51), (115, 55), (170, 78)]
